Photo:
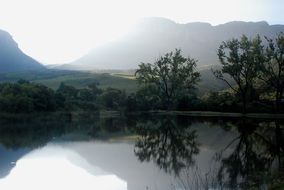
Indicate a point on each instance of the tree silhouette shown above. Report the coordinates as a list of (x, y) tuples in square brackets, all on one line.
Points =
[(241, 59), (170, 77), (273, 68)]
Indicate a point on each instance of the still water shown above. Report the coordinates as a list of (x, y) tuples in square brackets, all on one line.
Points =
[(84, 152)]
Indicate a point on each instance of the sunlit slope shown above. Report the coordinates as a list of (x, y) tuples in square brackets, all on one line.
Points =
[(120, 80), (153, 37), (82, 80)]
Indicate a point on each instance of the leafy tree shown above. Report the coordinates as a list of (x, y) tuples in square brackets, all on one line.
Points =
[(131, 103), (188, 102), (273, 68), (113, 98), (169, 78), (147, 98), (42, 96), (220, 101), (94, 88), (68, 91), (24, 96), (70, 98), (86, 95), (241, 59)]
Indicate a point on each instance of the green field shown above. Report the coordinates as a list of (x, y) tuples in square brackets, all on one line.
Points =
[(53, 78), (82, 80), (120, 80)]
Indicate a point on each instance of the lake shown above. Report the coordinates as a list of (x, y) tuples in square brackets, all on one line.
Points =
[(140, 152)]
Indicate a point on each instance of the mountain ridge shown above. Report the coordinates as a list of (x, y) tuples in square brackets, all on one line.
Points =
[(153, 37), (12, 58)]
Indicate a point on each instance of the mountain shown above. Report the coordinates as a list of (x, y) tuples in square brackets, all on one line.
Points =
[(12, 59), (153, 37)]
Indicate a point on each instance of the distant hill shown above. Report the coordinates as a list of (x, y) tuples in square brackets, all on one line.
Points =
[(152, 37), (12, 59)]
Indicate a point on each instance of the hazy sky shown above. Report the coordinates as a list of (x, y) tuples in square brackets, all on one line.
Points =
[(59, 31)]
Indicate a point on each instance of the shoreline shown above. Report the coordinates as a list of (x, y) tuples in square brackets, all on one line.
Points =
[(113, 113), (221, 114)]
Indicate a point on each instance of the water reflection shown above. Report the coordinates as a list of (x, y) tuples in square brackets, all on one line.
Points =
[(252, 159), (172, 148), (256, 158), (54, 167), (152, 152)]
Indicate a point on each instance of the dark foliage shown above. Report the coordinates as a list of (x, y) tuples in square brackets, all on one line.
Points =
[(26, 97)]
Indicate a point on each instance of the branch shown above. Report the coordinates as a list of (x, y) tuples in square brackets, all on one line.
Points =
[(228, 84), (219, 75)]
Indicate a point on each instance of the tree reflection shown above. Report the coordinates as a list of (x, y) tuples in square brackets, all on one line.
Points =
[(254, 159), (34, 131), (170, 146)]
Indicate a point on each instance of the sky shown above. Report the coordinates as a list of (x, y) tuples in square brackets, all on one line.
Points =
[(61, 31)]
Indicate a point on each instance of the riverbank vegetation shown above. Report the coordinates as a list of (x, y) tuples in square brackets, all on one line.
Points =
[(253, 69)]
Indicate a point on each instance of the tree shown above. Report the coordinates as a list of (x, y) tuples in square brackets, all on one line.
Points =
[(68, 91), (241, 59), (219, 101), (273, 67), (113, 99), (169, 78), (95, 90)]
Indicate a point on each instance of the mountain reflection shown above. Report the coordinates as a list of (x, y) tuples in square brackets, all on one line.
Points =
[(198, 153)]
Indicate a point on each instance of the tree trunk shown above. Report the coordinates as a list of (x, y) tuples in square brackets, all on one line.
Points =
[(244, 108), (278, 100)]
